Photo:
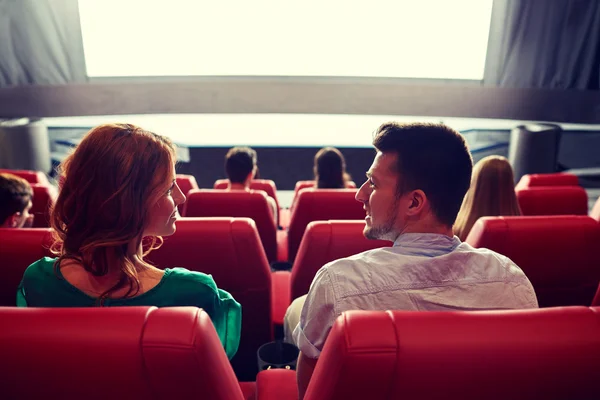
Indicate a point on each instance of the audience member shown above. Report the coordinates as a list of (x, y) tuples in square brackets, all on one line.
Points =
[(492, 193), (330, 169), (16, 198), (118, 188), (240, 167), (412, 195)]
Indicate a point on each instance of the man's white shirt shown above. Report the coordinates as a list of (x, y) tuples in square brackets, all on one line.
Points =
[(424, 272)]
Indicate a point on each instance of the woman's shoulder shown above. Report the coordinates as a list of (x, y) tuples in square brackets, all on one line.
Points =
[(42, 267), (184, 277)]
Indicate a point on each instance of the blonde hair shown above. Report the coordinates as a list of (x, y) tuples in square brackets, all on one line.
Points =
[(492, 193), (109, 185)]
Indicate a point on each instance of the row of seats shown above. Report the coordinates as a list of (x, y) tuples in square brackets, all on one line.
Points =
[(168, 353), (558, 254)]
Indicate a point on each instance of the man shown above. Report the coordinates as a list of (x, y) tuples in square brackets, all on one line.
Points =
[(15, 202), (412, 195), (240, 167)]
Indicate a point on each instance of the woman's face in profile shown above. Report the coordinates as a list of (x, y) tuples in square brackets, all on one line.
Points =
[(164, 213)]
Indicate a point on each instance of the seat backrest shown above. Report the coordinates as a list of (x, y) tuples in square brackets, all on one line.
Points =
[(266, 185), (558, 179), (525, 354), (238, 203), (43, 198), (113, 353), (30, 176), (311, 184), (595, 213), (558, 254), (230, 250), (325, 241), (185, 183), (553, 200), (321, 205), (19, 248)]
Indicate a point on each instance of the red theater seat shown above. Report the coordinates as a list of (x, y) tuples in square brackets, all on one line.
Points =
[(185, 183), (43, 198), (563, 200), (325, 241), (311, 184), (321, 205), (229, 249), (30, 176), (558, 179), (266, 185), (494, 355), (114, 353), (19, 248), (252, 204), (559, 254)]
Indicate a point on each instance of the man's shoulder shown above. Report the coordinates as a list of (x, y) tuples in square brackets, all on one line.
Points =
[(358, 260), (492, 260)]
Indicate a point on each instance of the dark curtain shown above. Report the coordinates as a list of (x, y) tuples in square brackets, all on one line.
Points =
[(40, 43), (552, 44)]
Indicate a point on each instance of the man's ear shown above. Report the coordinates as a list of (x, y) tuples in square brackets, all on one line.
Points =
[(13, 220), (418, 201)]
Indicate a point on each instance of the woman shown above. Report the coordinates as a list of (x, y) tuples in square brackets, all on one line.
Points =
[(492, 193), (330, 169), (118, 188)]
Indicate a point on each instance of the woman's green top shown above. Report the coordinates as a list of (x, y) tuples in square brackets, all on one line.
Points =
[(41, 286)]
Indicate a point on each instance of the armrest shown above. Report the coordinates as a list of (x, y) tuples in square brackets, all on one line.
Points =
[(282, 246), (280, 295), (276, 384)]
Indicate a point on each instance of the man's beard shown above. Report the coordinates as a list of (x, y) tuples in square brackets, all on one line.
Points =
[(385, 231)]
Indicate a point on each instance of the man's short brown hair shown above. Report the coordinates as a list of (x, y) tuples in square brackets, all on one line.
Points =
[(433, 158), (239, 162), (15, 195)]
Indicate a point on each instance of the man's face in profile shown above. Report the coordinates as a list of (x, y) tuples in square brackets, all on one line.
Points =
[(380, 200)]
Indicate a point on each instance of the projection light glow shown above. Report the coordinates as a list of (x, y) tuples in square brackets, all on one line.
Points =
[(380, 38)]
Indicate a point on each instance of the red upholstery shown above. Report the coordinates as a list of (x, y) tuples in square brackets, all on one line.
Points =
[(251, 204), (311, 184), (18, 249), (558, 254), (325, 241), (30, 176), (596, 210), (229, 249), (113, 353), (185, 183), (563, 200), (527, 354), (43, 198), (266, 185), (277, 384), (280, 283), (321, 205), (559, 179)]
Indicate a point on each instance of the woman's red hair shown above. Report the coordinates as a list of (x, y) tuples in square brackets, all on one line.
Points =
[(110, 184)]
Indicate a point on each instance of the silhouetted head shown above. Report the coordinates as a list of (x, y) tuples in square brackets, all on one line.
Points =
[(240, 164), (16, 197), (492, 194), (330, 169)]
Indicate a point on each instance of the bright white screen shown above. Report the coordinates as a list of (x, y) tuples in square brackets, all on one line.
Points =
[(376, 38)]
